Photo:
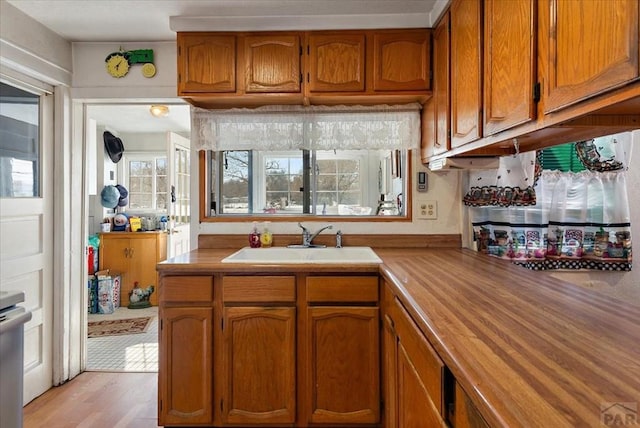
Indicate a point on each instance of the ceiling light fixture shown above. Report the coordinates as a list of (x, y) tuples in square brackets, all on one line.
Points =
[(159, 110)]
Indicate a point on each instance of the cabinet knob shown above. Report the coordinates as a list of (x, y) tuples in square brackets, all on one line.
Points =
[(126, 252)]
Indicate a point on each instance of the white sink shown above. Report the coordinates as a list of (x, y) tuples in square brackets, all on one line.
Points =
[(285, 255)]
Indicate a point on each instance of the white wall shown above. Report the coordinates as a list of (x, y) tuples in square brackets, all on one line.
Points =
[(147, 142), (91, 80), (29, 47)]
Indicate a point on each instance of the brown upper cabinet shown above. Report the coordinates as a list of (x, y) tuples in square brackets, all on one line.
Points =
[(581, 58), (552, 72), (272, 63), (401, 61), (336, 62), (466, 72), (509, 64), (232, 64), (317, 67), (436, 137), (206, 63)]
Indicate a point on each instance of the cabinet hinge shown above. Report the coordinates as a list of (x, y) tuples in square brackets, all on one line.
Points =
[(308, 50), (300, 50), (307, 77), (221, 405), (222, 324), (536, 92), (161, 325), (300, 77)]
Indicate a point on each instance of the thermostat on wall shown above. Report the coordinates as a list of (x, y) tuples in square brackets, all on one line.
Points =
[(422, 181)]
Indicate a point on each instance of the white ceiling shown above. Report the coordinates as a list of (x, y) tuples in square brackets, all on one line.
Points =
[(136, 118), (149, 20), (158, 20)]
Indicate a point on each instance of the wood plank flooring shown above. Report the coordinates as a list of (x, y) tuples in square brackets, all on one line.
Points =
[(96, 400)]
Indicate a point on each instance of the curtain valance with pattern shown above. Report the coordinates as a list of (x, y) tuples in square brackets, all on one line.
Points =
[(307, 127)]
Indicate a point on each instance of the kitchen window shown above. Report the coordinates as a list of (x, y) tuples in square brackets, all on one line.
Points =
[(305, 161), (146, 178), (334, 183)]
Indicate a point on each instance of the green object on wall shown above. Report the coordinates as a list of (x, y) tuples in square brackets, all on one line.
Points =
[(562, 158)]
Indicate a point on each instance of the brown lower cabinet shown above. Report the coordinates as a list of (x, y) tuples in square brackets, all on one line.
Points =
[(299, 350), (414, 374), (185, 378), (259, 368), (419, 390), (343, 350), (277, 350), (465, 414)]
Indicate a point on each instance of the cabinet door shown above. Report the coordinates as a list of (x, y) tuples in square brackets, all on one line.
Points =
[(466, 72), (415, 408), (259, 365), (401, 61), (206, 63), (390, 373), (465, 413), (114, 253), (343, 344), (185, 376), (592, 46), (509, 64), (142, 267), (428, 137), (336, 62), (441, 90), (272, 63)]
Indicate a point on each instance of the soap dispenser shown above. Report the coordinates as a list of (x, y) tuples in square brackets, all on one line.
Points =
[(266, 238), (254, 236)]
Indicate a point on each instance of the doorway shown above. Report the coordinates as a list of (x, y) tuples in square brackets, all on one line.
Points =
[(151, 169)]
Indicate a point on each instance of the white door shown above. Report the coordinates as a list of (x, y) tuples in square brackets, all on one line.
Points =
[(179, 195), (26, 221)]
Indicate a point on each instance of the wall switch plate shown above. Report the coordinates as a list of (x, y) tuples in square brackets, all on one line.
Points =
[(427, 209)]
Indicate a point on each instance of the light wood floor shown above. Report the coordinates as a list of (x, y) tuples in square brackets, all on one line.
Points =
[(96, 400)]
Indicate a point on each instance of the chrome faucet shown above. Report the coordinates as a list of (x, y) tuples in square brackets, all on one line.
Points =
[(307, 237)]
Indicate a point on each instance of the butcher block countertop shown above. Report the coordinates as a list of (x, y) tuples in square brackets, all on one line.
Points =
[(529, 349)]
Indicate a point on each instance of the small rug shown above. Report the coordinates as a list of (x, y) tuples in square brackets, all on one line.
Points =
[(118, 327)]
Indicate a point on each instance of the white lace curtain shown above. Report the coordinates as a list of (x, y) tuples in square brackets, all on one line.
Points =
[(311, 128)]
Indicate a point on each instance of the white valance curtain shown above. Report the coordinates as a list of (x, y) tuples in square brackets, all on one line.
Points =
[(307, 127)]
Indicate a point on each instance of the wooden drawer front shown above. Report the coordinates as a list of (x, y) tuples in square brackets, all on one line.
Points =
[(186, 289), (342, 289), (259, 289), (424, 358)]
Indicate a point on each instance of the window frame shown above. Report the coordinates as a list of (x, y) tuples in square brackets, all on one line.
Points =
[(123, 176), (205, 200)]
